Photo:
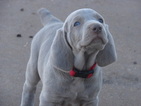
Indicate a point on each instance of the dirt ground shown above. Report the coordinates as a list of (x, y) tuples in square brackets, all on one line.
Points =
[(122, 79)]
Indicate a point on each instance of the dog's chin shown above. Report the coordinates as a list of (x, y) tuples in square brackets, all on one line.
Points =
[(92, 47), (95, 47), (97, 44)]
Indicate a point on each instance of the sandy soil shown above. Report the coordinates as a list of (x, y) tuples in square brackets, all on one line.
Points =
[(122, 80)]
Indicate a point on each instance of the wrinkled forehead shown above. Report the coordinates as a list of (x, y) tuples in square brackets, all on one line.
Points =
[(83, 13)]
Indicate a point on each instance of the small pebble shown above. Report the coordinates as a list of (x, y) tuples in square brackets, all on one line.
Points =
[(22, 9), (33, 13), (19, 35), (134, 62), (30, 36)]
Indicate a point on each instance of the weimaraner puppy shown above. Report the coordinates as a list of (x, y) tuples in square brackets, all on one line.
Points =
[(67, 57)]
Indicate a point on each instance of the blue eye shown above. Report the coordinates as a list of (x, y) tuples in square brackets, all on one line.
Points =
[(77, 23), (100, 20)]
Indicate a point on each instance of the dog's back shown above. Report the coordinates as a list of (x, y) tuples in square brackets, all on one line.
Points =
[(44, 38), (51, 25)]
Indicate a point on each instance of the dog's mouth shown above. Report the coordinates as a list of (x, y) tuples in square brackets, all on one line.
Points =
[(96, 43), (97, 40)]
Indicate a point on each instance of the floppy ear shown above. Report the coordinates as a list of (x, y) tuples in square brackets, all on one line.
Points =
[(108, 54), (62, 55)]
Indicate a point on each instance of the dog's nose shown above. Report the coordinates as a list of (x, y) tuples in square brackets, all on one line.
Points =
[(97, 28)]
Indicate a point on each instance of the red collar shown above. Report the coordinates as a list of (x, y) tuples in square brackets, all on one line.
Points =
[(83, 73)]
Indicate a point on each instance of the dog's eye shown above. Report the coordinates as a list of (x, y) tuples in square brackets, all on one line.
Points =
[(77, 23), (100, 20)]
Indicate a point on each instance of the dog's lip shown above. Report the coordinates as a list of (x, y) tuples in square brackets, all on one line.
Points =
[(95, 40)]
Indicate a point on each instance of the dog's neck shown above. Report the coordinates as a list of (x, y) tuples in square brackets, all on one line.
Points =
[(84, 61)]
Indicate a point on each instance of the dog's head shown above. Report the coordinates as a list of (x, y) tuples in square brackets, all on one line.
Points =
[(85, 31)]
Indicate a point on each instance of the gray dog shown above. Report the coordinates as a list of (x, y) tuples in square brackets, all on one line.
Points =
[(67, 58)]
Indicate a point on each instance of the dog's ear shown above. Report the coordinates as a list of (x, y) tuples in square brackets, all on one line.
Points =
[(62, 55), (108, 54)]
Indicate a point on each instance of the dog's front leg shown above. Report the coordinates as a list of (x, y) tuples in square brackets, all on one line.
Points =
[(45, 102), (28, 96), (92, 103), (46, 99), (29, 88), (49, 104)]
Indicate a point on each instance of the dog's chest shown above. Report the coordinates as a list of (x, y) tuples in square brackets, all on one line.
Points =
[(74, 91), (77, 85), (78, 89)]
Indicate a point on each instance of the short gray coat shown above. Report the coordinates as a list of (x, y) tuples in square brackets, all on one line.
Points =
[(82, 40)]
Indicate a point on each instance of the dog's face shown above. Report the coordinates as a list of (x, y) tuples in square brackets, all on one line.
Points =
[(86, 30), (84, 39)]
